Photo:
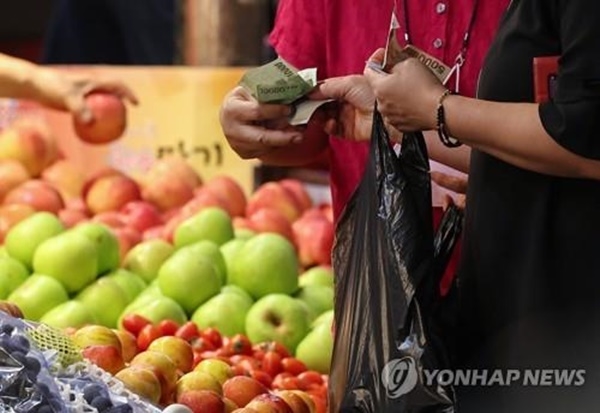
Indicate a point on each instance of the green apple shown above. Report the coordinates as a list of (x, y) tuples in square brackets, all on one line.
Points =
[(70, 257), (211, 251), (38, 295), (12, 274), (243, 233), (24, 238), (3, 252), (236, 290), (132, 284), (105, 299), (189, 279), (71, 313), (318, 298), (212, 223), (229, 251), (316, 349), (278, 317), (161, 308), (106, 242), (146, 258), (265, 264), (147, 296), (226, 312), (319, 275), (325, 318)]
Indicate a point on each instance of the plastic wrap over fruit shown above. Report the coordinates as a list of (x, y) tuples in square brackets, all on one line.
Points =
[(388, 269), (26, 384)]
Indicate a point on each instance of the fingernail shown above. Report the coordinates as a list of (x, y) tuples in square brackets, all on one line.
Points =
[(297, 139)]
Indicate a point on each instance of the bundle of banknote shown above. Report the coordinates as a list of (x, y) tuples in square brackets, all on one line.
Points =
[(282, 83)]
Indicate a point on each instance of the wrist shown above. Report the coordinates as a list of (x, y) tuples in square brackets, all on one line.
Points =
[(441, 123)]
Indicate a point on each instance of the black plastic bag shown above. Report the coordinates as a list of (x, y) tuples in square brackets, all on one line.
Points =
[(388, 267)]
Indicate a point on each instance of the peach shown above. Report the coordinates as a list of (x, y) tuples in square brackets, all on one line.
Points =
[(30, 143), (38, 194), (141, 381), (108, 358), (164, 368), (242, 389), (111, 193), (197, 380), (269, 403), (12, 174), (65, 177), (96, 335), (10, 215), (202, 401), (109, 119), (101, 173), (178, 349), (296, 403), (232, 194), (128, 344), (273, 195)]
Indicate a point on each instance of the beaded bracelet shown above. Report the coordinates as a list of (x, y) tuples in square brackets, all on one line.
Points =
[(445, 138)]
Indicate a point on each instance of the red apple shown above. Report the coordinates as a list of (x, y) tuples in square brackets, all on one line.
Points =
[(179, 167), (153, 233), (111, 193), (101, 173), (71, 217), (202, 199), (232, 194), (271, 220), (65, 177), (128, 238), (242, 389), (314, 237), (273, 195), (298, 190), (202, 401), (106, 357), (109, 119), (39, 194), (12, 174), (141, 215), (141, 381), (242, 223), (77, 204), (30, 143)]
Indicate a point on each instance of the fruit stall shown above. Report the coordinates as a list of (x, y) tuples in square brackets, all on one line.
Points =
[(159, 271)]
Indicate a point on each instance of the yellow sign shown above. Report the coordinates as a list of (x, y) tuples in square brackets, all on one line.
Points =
[(178, 114)]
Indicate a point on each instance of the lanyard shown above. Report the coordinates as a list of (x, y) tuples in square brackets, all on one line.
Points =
[(462, 54)]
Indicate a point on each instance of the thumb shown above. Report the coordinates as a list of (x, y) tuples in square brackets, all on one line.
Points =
[(77, 106), (333, 88)]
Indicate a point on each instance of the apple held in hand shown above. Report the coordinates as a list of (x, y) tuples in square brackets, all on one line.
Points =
[(109, 119), (278, 317), (265, 264)]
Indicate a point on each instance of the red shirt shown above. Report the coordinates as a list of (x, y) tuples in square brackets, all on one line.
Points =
[(338, 36)]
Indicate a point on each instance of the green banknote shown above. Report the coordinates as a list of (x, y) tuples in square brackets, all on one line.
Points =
[(278, 82)]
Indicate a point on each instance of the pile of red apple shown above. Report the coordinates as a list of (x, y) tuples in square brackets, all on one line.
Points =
[(35, 177), (168, 363)]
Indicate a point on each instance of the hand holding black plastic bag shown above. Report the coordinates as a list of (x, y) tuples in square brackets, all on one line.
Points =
[(388, 270)]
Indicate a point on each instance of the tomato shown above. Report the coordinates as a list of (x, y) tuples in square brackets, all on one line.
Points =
[(134, 323), (271, 363), (278, 380), (272, 346), (197, 359), (262, 377), (293, 366), (188, 331), (249, 364), (258, 354), (200, 345), (212, 335), (240, 344), (168, 327), (147, 336), (310, 378)]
